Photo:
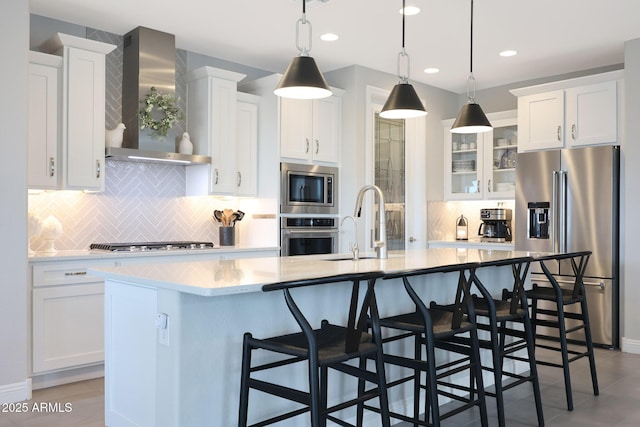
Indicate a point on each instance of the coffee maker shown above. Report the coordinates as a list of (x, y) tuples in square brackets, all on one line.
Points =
[(496, 225)]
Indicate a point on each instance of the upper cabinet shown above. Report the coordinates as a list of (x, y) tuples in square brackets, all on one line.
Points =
[(570, 113), (82, 110), (43, 158), (247, 145), (223, 124), (310, 129), (482, 165)]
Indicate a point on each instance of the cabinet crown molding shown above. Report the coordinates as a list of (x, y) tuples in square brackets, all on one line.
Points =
[(564, 84)]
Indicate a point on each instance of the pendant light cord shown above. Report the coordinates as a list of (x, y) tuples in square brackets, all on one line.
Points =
[(471, 81), (304, 50), (404, 78)]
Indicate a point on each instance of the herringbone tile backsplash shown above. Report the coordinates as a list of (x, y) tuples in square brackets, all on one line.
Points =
[(141, 202)]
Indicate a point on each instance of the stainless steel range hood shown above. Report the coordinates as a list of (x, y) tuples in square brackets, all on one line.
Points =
[(148, 61)]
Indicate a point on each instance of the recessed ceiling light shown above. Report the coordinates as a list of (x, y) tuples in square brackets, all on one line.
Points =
[(410, 10), (508, 53), (329, 37), (431, 70)]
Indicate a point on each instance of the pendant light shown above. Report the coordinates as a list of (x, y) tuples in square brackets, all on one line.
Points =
[(471, 118), (303, 79), (403, 101)]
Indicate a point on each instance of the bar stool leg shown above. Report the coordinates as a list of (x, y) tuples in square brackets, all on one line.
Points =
[(244, 381), (432, 384), (587, 333), (477, 364), (314, 390), (533, 371), (417, 374), (324, 373), (497, 371), (565, 353)]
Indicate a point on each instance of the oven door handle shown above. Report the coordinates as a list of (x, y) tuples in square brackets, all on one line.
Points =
[(309, 231)]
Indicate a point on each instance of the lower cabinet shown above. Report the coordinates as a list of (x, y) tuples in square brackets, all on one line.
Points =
[(67, 313), (68, 325)]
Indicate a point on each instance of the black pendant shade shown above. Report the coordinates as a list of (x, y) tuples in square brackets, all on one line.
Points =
[(403, 103), (471, 119), (303, 80)]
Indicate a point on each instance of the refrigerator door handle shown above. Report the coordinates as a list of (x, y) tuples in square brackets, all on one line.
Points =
[(563, 211), (554, 211)]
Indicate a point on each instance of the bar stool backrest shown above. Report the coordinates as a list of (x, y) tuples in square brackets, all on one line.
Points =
[(579, 261), (356, 322), (462, 304), (519, 269)]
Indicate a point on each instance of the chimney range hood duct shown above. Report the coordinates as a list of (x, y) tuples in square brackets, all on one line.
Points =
[(148, 61)]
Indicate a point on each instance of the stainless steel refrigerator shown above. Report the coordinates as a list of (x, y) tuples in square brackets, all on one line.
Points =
[(568, 200)]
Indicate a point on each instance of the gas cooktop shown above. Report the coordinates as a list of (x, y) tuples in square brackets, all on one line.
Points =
[(151, 246)]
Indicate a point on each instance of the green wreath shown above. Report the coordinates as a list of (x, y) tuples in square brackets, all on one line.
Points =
[(164, 106)]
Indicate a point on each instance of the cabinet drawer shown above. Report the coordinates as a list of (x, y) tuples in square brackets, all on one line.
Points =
[(65, 273)]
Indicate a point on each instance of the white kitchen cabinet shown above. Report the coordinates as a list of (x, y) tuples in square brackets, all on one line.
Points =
[(570, 113), (83, 110), (43, 150), (482, 166), (67, 316), (247, 145), (67, 311), (310, 129), (211, 123)]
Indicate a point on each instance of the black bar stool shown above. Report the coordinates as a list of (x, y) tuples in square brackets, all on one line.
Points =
[(495, 315), (429, 327), (555, 318), (329, 346)]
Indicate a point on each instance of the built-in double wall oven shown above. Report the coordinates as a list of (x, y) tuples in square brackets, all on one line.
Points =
[(309, 209), (308, 235)]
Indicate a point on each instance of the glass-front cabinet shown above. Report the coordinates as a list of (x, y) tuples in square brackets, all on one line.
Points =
[(482, 166)]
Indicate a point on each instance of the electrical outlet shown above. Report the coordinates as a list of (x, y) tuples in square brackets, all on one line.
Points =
[(162, 324)]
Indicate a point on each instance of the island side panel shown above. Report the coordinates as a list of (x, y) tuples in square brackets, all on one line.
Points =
[(130, 355)]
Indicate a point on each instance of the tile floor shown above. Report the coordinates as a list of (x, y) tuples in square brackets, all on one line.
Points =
[(617, 406)]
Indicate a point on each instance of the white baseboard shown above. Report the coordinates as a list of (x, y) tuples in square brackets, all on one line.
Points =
[(16, 392), (53, 379), (630, 346)]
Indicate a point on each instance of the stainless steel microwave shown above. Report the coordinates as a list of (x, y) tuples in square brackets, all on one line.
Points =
[(308, 189)]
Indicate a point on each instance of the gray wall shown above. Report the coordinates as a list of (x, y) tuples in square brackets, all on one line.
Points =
[(14, 33), (630, 200)]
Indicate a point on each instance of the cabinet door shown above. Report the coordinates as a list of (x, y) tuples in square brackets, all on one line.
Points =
[(83, 124), (500, 148), (540, 121), (68, 326), (247, 149), (592, 114), (296, 128), (222, 145), (463, 165), (326, 129), (42, 146)]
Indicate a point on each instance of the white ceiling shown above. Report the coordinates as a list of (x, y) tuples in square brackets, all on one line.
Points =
[(552, 36)]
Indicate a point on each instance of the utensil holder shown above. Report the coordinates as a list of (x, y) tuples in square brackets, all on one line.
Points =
[(227, 236)]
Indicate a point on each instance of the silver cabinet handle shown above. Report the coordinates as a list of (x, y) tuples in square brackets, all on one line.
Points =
[(217, 176), (307, 141), (97, 168), (52, 166), (559, 133), (76, 273), (489, 186), (317, 146), (239, 178), (573, 131), (412, 239)]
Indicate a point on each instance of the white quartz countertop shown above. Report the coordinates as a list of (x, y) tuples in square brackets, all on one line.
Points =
[(226, 277), (87, 254)]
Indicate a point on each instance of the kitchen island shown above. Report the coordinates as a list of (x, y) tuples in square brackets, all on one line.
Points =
[(173, 331)]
